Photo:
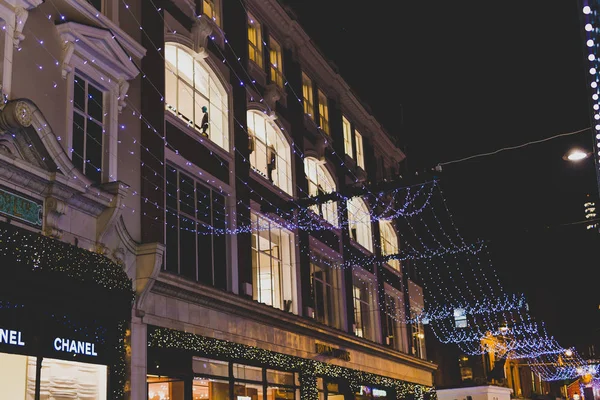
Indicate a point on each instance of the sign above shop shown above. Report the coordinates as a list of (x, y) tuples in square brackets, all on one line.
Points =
[(22, 208), (14, 338), (75, 347), (330, 351)]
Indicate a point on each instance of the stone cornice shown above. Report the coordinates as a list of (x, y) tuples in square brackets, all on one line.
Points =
[(271, 13), (177, 287)]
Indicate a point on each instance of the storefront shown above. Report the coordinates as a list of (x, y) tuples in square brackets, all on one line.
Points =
[(184, 366), (63, 320)]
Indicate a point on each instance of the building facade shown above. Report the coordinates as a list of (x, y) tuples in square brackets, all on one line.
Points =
[(173, 149)]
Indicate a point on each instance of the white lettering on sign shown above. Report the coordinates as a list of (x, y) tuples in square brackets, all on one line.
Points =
[(14, 338), (379, 393), (75, 346)]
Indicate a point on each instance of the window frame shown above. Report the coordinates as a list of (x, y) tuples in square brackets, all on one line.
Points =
[(327, 211), (360, 151), (289, 173), (213, 84), (308, 96), (276, 69), (354, 221), (292, 263), (227, 220), (255, 50), (323, 111), (216, 11), (385, 227), (399, 321), (87, 119), (374, 326), (334, 317), (110, 73), (347, 130)]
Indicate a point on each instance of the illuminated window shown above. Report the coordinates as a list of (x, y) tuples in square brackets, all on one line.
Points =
[(360, 156), (320, 181), (359, 222), (323, 112), (347, 137), (325, 287), (389, 242), (88, 128), (273, 271), (394, 326), (211, 8), (193, 90), (307, 95), (276, 60), (271, 156), (363, 299), (418, 336), (255, 42), (196, 220)]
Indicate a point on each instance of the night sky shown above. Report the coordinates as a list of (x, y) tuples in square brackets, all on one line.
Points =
[(457, 79)]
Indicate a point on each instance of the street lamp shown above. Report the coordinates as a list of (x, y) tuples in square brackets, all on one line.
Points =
[(575, 155)]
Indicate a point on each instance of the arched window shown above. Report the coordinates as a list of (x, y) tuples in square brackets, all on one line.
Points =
[(195, 94), (320, 181), (359, 222), (271, 156), (389, 242)]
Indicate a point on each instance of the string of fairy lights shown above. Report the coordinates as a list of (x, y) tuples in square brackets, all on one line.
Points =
[(453, 261)]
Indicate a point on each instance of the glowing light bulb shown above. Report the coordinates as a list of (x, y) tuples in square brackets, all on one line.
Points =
[(595, 96), (587, 10), (594, 85), (591, 57), (590, 43), (588, 27), (592, 71)]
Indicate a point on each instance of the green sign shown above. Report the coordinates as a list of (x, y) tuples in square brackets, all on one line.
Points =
[(21, 208)]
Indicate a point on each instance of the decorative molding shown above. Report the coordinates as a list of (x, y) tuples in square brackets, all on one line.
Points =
[(201, 30), (271, 97), (96, 47), (149, 259), (109, 216), (14, 115), (54, 210), (89, 13)]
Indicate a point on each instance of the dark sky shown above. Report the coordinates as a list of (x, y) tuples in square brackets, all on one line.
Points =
[(473, 77)]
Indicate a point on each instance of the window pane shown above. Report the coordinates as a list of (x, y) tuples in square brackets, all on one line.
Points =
[(14, 373), (245, 391), (95, 107), (185, 102), (280, 377), (247, 372), (185, 65), (71, 379), (93, 151), (171, 90), (78, 140), (209, 389), (278, 393), (160, 388), (210, 367), (187, 248), (201, 79), (79, 93)]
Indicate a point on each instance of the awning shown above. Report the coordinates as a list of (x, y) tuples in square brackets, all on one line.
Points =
[(50, 274)]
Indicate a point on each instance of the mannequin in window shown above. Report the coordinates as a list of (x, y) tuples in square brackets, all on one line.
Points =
[(272, 161), (320, 192), (204, 124)]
